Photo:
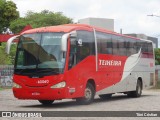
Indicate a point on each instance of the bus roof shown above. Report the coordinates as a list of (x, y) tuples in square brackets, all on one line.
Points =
[(66, 28), (72, 27)]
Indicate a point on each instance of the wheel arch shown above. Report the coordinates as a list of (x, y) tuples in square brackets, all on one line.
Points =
[(92, 81)]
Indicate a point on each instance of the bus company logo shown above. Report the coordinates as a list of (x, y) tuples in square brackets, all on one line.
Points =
[(42, 81), (109, 63)]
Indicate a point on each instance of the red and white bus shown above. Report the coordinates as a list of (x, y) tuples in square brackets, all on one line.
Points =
[(77, 61)]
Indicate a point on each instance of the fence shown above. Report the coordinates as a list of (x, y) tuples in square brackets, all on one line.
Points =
[(6, 72)]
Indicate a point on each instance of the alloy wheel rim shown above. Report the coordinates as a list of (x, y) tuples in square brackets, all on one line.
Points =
[(88, 94)]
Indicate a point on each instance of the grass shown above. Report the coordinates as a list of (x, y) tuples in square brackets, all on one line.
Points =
[(1, 88), (4, 88)]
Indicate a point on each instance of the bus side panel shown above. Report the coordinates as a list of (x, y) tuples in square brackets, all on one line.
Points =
[(105, 77), (144, 69)]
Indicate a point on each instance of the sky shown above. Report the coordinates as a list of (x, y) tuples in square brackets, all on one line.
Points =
[(129, 15)]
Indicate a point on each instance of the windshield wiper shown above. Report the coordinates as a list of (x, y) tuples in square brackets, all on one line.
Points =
[(37, 72), (22, 70), (43, 72), (48, 70)]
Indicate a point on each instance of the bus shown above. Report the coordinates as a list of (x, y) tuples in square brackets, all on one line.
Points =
[(78, 61)]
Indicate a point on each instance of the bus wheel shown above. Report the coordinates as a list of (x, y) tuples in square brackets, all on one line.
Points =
[(88, 95), (137, 92), (46, 102), (105, 96)]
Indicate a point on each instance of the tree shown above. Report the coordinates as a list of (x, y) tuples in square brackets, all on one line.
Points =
[(2, 3), (42, 19), (157, 56), (8, 13), (4, 58)]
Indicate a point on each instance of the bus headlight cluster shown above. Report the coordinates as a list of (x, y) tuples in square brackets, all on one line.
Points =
[(15, 85), (59, 85)]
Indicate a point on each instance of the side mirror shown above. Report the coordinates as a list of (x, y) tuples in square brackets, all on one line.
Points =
[(64, 40), (9, 43)]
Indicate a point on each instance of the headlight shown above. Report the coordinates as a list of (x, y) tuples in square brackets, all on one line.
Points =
[(59, 85), (15, 85)]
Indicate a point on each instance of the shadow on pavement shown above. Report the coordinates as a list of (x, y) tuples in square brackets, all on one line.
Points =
[(72, 103)]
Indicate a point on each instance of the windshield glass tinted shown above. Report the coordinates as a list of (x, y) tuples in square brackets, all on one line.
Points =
[(41, 53)]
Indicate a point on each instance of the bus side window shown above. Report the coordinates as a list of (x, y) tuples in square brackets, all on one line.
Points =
[(115, 45), (139, 46), (135, 46), (87, 47), (109, 46), (122, 47), (150, 50), (131, 47), (104, 43)]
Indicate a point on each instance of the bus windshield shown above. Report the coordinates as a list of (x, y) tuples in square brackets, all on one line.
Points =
[(40, 53)]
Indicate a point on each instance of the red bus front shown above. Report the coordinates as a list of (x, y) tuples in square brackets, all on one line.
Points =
[(40, 67)]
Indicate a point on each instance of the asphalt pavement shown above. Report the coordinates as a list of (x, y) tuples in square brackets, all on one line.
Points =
[(149, 101)]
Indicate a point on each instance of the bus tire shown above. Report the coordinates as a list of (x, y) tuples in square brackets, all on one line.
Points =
[(105, 96), (88, 95), (137, 92), (46, 102)]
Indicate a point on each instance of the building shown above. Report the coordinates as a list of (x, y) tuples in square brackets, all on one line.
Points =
[(143, 36), (99, 22), (109, 25)]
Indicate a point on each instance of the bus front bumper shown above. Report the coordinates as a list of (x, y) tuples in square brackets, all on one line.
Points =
[(40, 94)]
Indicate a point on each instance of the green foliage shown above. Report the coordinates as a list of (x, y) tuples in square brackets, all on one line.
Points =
[(8, 13), (42, 19), (157, 56), (1, 88), (6, 59), (2, 2)]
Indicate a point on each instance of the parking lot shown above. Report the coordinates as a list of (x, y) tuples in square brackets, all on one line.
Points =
[(149, 101)]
